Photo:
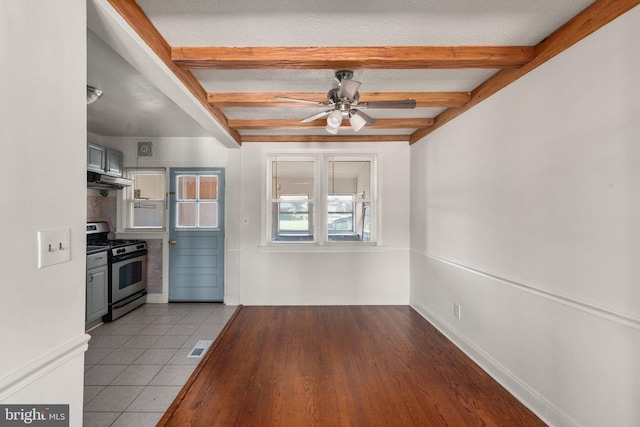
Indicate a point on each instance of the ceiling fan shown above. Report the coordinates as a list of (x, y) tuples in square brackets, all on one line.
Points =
[(344, 101)]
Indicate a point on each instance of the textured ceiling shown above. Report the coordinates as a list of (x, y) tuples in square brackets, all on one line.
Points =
[(305, 23), (359, 22)]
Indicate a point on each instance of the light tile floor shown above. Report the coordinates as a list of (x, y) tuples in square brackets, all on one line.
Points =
[(136, 365)]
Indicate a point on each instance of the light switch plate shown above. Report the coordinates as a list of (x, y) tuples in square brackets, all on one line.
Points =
[(54, 247)]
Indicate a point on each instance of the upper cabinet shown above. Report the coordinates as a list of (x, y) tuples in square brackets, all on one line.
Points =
[(96, 158), (113, 165), (104, 160)]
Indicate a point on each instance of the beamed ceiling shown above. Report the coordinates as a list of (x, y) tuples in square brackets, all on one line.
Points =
[(236, 58)]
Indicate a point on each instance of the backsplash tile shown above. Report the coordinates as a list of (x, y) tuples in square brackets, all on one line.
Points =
[(154, 266), (100, 208)]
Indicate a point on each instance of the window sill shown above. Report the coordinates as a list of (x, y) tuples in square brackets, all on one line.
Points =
[(289, 247)]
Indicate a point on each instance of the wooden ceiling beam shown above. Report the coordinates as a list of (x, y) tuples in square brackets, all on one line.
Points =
[(242, 124), (268, 99), (354, 57), (325, 138)]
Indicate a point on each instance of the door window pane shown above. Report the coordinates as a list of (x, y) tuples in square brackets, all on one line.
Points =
[(208, 187), (208, 214), (186, 214), (187, 185)]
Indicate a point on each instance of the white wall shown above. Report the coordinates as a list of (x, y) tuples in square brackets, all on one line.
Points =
[(184, 152), (42, 168), (299, 275), (254, 273), (525, 212)]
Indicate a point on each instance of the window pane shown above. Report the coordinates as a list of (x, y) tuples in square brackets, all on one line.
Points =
[(349, 177), (351, 227), (148, 186), (145, 199), (340, 213), (147, 213), (186, 214), (292, 221), (349, 185), (209, 187), (293, 178), (208, 214), (366, 223), (186, 187)]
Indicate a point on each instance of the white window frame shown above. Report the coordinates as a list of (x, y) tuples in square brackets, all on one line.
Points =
[(130, 204), (319, 215)]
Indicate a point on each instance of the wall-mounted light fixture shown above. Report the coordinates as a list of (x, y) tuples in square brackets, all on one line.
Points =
[(93, 93)]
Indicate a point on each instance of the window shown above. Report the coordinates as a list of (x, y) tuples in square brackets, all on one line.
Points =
[(343, 212), (292, 199), (196, 201), (348, 199), (145, 200)]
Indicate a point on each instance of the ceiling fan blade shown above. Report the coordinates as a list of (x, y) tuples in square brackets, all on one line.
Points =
[(348, 89), (404, 104), (306, 101), (367, 118), (316, 116)]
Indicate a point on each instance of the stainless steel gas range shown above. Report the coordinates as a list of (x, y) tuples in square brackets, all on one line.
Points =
[(127, 269)]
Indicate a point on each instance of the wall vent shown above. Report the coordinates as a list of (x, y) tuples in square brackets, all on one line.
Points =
[(145, 149)]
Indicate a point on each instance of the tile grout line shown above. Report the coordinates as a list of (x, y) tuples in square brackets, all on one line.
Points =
[(204, 315)]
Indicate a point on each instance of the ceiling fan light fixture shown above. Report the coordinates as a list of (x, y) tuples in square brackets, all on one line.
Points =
[(357, 121), (332, 130), (334, 121)]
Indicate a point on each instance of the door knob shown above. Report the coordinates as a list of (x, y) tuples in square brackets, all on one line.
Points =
[(172, 242)]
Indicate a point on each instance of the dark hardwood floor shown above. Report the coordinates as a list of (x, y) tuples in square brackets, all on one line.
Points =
[(340, 366)]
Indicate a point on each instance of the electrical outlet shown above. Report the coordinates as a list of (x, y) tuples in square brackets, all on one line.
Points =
[(54, 247), (456, 310)]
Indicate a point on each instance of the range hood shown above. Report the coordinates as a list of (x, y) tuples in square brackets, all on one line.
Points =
[(106, 182)]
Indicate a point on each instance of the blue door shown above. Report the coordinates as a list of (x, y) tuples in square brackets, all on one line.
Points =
[(196, 235)]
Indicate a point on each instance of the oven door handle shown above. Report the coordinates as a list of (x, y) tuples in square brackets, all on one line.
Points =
[(128, 257)]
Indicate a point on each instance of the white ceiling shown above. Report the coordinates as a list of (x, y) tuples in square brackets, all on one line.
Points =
[(358, 22), (132, 106)]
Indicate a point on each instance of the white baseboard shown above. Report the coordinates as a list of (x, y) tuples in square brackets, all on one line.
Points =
[(44, 364), (542, 408)]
